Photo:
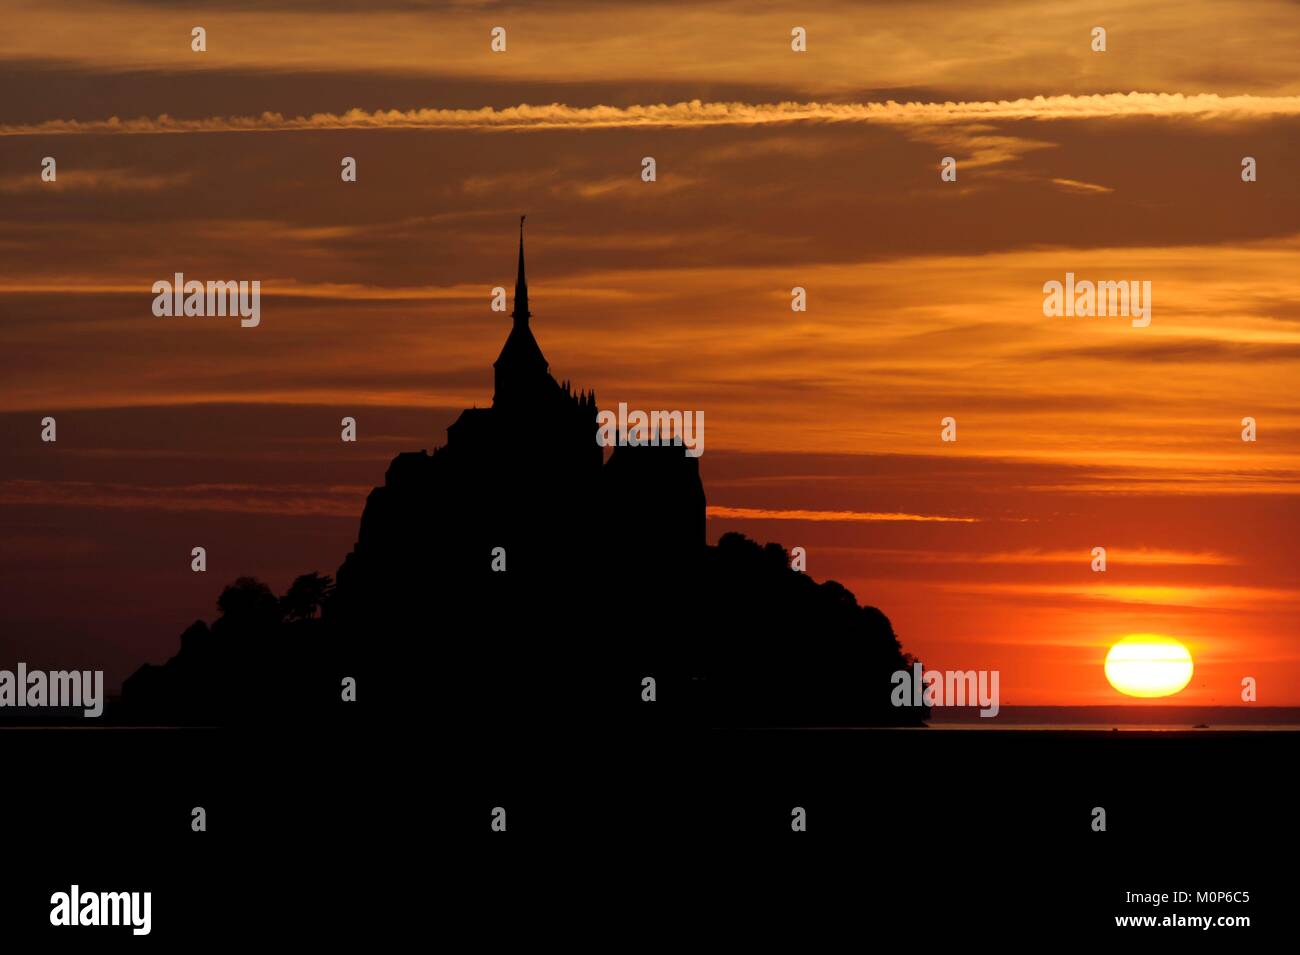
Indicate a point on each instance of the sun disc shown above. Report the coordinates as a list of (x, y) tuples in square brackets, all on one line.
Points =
[(1148, 665)]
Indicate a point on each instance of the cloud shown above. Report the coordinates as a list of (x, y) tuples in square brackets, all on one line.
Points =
[(1225, 597), (1074, 185), (995, 47), (94, 180), (283, 500), (772, 514), (1202, 106), (1035, 557), (1185, 350)]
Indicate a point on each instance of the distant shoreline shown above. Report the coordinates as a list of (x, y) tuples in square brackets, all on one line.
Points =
[(1120, 727), (1124, 717)]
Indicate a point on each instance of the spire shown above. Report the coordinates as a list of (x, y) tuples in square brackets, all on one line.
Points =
[(521, 313), (521, 368)]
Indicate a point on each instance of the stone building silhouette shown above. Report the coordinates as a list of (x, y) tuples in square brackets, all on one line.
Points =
[(521, 578), (525, 475), (521, 485)]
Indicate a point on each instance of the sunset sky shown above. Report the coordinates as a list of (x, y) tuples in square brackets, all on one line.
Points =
[(775, 169)]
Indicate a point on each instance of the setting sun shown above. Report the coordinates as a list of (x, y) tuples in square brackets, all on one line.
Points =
[(1148, 665)]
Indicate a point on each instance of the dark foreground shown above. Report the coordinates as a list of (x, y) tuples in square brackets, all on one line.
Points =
[(383, 836)]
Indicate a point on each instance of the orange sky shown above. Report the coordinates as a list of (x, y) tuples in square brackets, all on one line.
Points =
[(925, 300)]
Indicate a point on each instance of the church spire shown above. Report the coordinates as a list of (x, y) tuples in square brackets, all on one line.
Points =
[(521, 375), (521, 313)]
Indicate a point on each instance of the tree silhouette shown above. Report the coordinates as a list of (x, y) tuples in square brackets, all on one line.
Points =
[(248, 603), (305, 596)]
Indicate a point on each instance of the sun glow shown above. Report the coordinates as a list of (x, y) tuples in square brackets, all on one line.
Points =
[(1148, 665)]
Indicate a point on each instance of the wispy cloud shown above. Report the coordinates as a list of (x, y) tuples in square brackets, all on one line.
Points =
[(297, 500), (1203, 106), (1208, 597), (1030, 557), (774, 514), (1074, 185), (94, 180)]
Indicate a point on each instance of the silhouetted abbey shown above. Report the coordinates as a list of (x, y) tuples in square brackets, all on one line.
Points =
[(607, 579), (525, 475)]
